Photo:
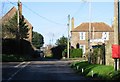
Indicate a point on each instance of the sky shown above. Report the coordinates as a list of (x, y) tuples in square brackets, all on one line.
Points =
[(50, 18)]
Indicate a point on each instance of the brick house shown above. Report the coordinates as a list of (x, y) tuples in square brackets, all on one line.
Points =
[(11, 13), (100, 33)]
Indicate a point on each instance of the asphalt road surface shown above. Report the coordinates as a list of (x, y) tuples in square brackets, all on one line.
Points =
[(38, 70)]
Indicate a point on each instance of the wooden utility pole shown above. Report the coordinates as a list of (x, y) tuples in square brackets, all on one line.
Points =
[(116, 31), (68, 40), (18, 34), (89, 34)]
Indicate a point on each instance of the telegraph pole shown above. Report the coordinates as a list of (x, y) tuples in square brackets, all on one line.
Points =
[(89, 33), (68, 40), (18, 35), (116, 31)]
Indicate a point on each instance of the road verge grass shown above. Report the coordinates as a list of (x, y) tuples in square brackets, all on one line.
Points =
[(101, 72), (14, 58)]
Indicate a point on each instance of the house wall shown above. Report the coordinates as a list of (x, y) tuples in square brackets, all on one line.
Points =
[(75, 38)]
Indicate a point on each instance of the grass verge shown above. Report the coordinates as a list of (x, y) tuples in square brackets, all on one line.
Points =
[(14, 58), (101, 72)]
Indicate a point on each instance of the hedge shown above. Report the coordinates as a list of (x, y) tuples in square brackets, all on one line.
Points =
[(74, 53)]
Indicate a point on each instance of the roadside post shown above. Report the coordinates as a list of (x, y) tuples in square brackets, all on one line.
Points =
[(116, 45)]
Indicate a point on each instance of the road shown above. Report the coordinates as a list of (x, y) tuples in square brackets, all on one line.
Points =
[(38, 70)]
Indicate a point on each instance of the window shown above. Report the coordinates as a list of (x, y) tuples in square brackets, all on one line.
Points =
[(83, 48), (82, 35), (105, 35)]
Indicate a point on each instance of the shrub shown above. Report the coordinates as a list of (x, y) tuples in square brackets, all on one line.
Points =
[(98, 55), (13, 46), (57, 51), (74, 53), (64, 53)]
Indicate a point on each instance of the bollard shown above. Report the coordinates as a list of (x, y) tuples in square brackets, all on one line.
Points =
[(82, 70), (77, 67), (92, 73)]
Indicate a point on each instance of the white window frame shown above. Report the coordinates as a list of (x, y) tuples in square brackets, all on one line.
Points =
[(82, 35), (83, 48), (105, 35)]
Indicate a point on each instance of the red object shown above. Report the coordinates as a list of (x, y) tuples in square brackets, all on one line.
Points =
[(116, 51)]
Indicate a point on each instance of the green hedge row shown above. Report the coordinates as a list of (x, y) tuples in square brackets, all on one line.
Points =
[(74, 53)]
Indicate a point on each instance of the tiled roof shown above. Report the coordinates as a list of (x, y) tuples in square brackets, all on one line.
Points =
[(98, 27), (11, 13)]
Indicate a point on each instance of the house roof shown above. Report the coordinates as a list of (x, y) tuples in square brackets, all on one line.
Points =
[(98, 27), (11, 13)]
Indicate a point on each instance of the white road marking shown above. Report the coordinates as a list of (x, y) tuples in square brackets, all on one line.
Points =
[(19, 64), (18, 70), (25, 64)]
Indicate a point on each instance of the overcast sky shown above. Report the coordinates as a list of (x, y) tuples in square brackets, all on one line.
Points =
[(51, 18)]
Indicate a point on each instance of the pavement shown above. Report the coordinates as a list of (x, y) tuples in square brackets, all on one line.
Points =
[(39, 70)]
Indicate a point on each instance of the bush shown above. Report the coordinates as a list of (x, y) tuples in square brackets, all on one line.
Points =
[(13, 46), (64, 53), (57, 51), (98, 55), (75, 53)]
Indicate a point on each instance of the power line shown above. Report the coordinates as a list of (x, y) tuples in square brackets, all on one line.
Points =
[(12, 3), (78, 10), (38, 14), (43, 17)]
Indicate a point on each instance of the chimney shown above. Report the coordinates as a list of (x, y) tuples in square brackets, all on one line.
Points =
[(72, 23), (20, 8)]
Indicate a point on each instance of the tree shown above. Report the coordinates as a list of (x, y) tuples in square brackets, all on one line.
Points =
[(10, 29), (37, 40), (23, 28), (62, 41)]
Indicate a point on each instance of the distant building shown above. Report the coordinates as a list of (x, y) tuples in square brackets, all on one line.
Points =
[(100, 33), (11, 13)]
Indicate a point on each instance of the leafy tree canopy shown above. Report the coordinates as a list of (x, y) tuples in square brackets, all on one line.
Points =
[(10, 28), (62, 41), (37, 40)]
